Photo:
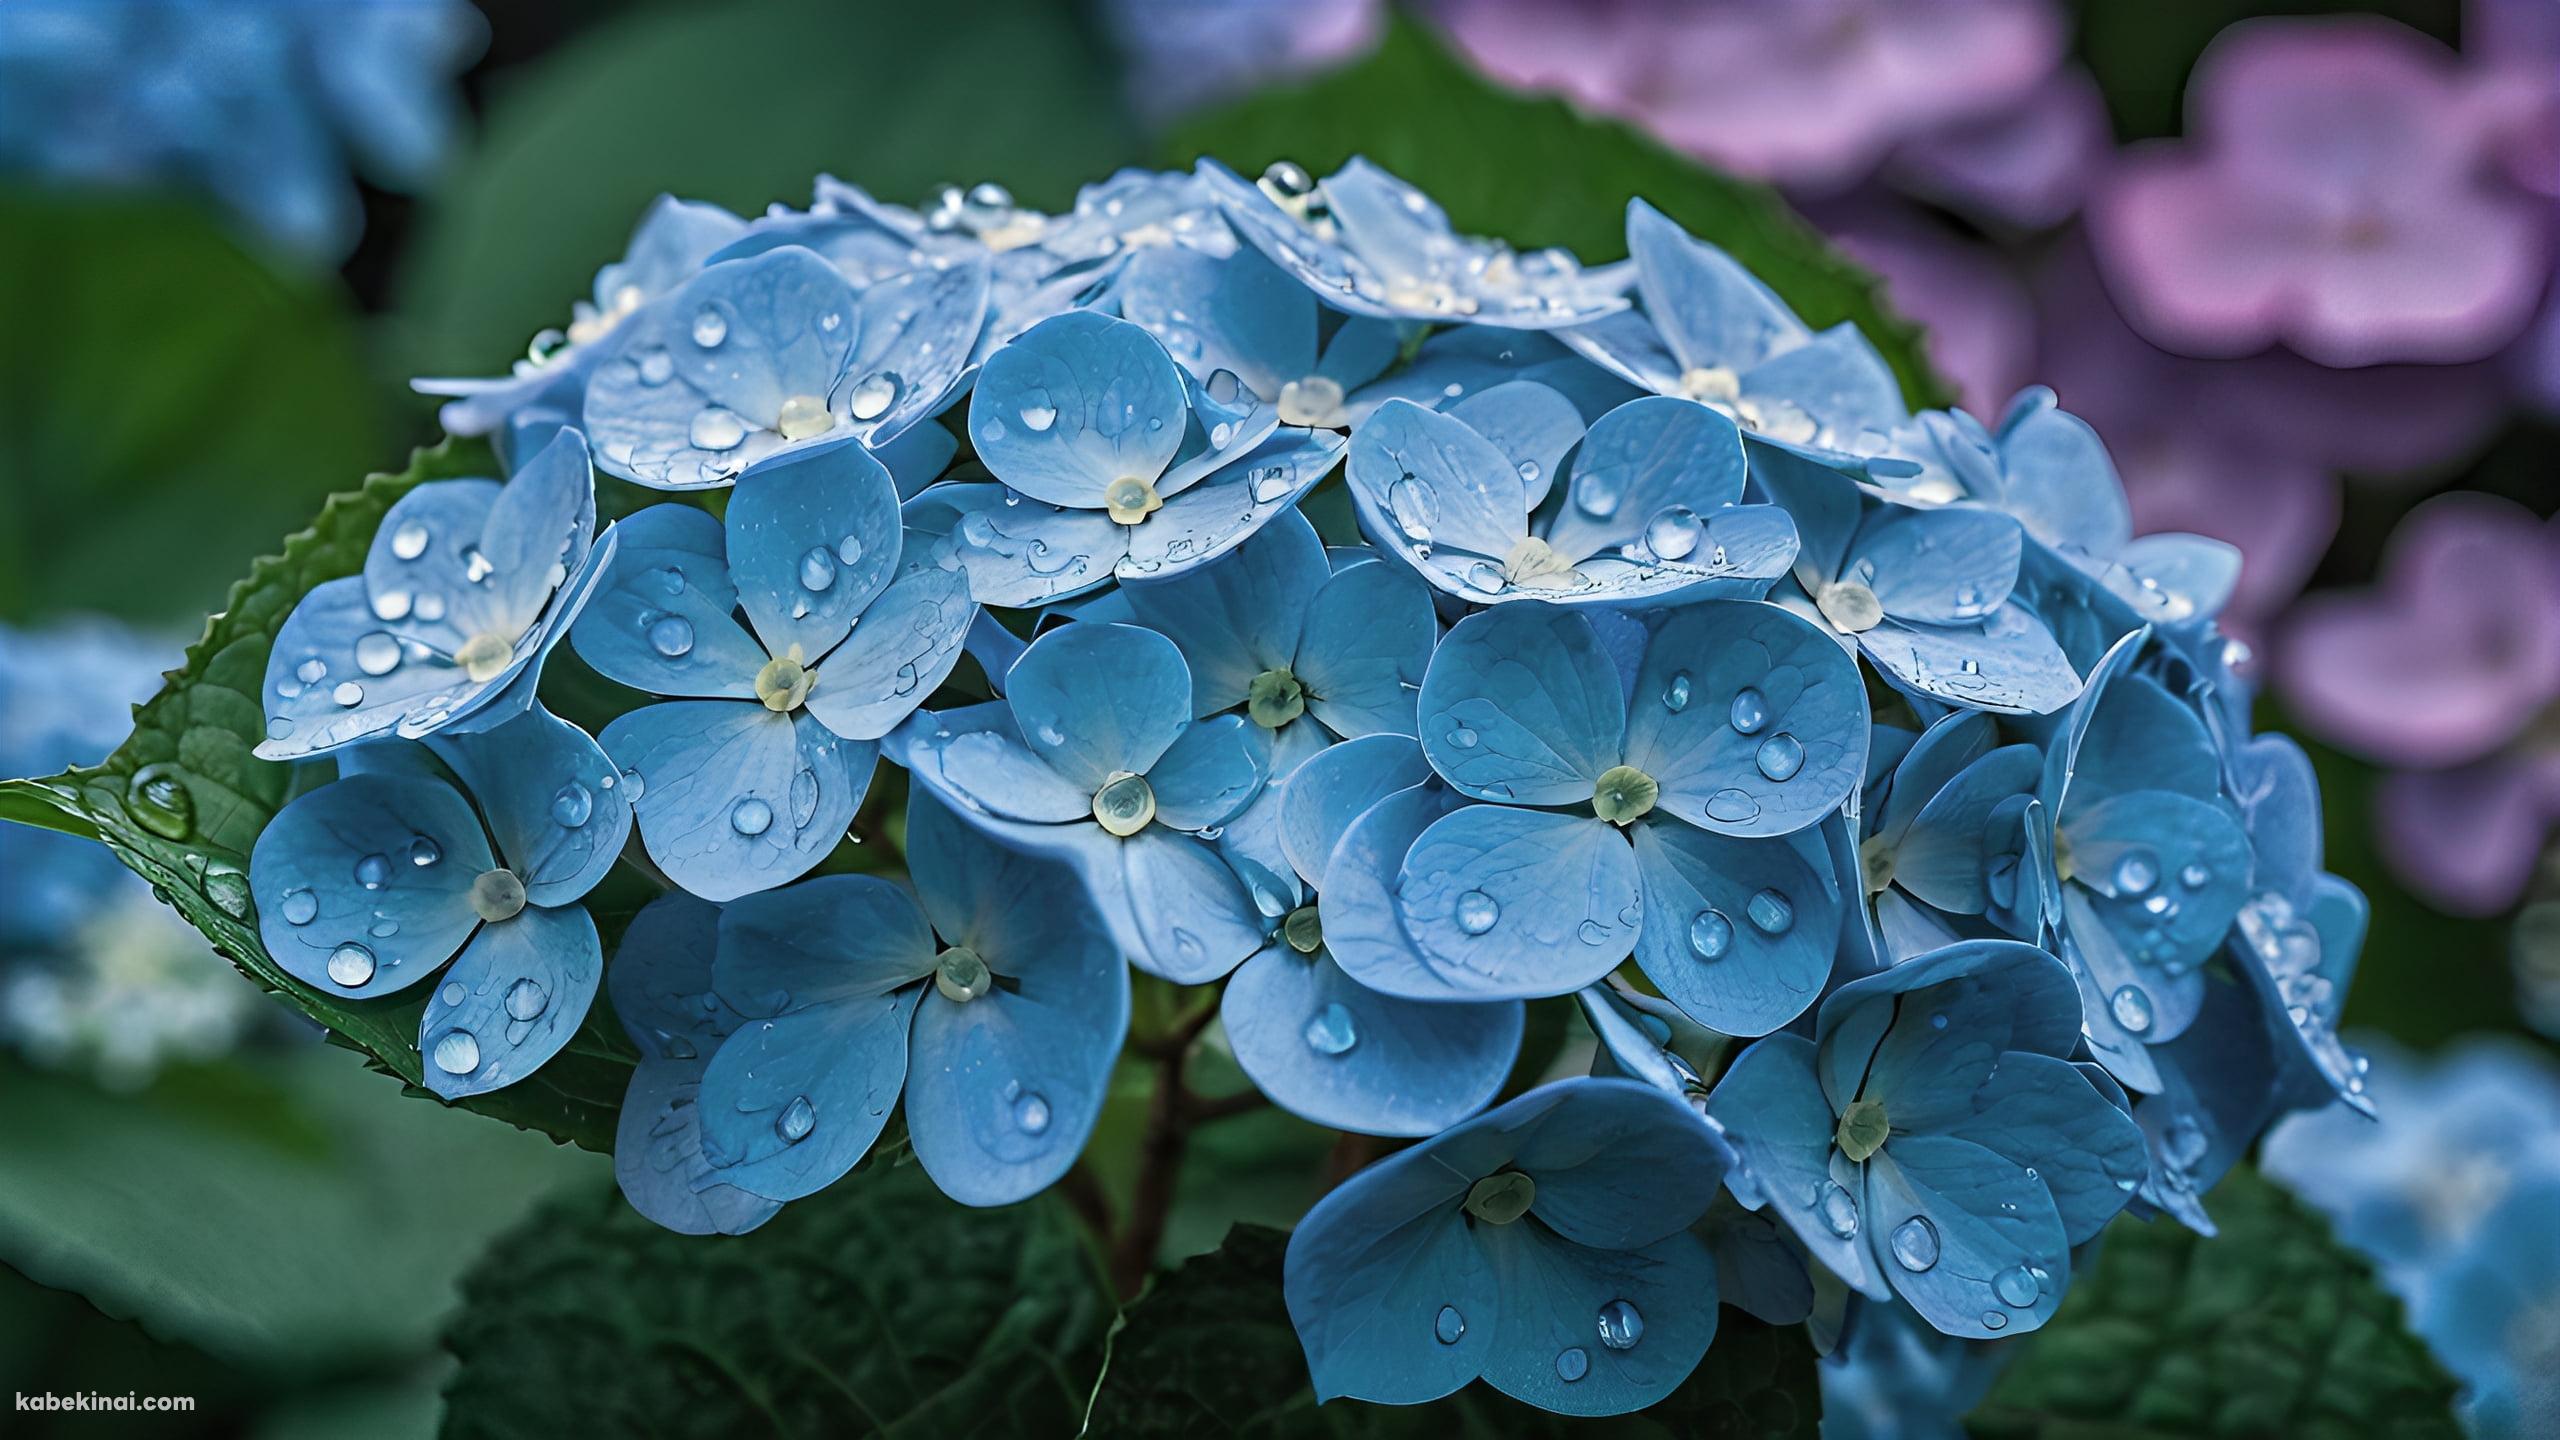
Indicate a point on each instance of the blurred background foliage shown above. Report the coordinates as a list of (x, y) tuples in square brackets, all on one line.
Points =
[(175, 396)]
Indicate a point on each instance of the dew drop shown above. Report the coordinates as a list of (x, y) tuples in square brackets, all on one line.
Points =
[(671, 636), (1915, 1244), (457, 1053), (710, 327), (526, 999), (1476, 912), (1675, 696), (871, 399), (817, 569), (1781, 756), (714, 428), (1572, 1365), (1732, 807), (158, 798), (424, 851), (373, 871), (349, 694), (571, 805), (2017, 1286), (750, 817), (1672, 532), (1750, 711), (377, 653), (1330, 1031), (1031, 1113), (409, 541), (2132, 1008), (2136, 873), (1771, 913), (1710, 934), (796, 1120), (1621, 1325), (300, 906), (1994, 1320), (350, 965), (1839, 1212), (1449, 1326)]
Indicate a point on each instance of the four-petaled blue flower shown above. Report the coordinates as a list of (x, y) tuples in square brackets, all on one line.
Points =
[(1669, 769), (1368, 243), (1710, 332), (468, 585), (997, 1007), (752, 778), (1651, 515), (776, 351), (368, 885), (1094, 758), (1933, 1141), (1929, 853), (1543, 1247), (1114, 462), (1244, 315)]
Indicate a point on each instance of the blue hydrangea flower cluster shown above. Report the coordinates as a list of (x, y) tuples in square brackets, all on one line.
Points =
[(1261, 584), (262, 107)]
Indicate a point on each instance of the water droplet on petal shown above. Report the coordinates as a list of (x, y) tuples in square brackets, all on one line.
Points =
[(2136, 873), (526, 999), (571, 805), (817, 568), (1673, 532), (409, 541), (871, 399), (1710, 934), (1771, 913), (715, 428), (350, 965), (1781, 756), (1621, 1325), (2131, 1006), (796, 1120), (750, 817), (300, 906), (2017, 1286), (710, 327), (377, 653), (373, 871), (1839, 1212), (1031, 1113), (1572, 1365), (1750, 711), (671, 636), (1476, 911), (1675, 695), (1915, 1244), (457, 1052), (1449, 1326), (424, 851), (1331, 1032)]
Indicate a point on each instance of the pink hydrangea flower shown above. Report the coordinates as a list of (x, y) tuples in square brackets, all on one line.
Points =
[(2336, 192), (1812, 94), (2447, 669), (2029, 165)]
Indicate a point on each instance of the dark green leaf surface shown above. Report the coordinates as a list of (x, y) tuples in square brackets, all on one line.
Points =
[(1537, 174), (183, 800), (167, 406), (876, 1308), (2270, 1329), (872, 91), (1208, 1351), (283, 1212)]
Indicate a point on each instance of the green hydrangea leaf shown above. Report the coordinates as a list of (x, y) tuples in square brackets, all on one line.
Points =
[(1208, 1351), (1536, 173), (878, 1307), (2272, 1328), (183, 800)]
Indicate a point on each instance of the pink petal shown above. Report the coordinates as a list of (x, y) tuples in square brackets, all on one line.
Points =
[(2465, 840)]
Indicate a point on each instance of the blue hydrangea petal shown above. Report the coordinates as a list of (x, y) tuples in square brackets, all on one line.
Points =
[(1425, 479), (1240, 314), (1628, 348), (658, 1161), (1507, 903), (1236, 618), (708, 411), (904, 646), (918, 457), (837, 941), (1002, 1091), (660, 980), (2009, 663), (812, 539), (2042, 1115), (317, 859), (2138, 737), (1553, 1292), (1534, 425), (2152, 937), (672, 566), (846, 1062), (1184, 915), (732, 798), (517, 994), (1522, 704), (1757, 1270), (978, 762), (2171, 578), (1321, 798), (538, 529), (1074, 403), (1470, 359), (1941, 858), (1371, 1271), (1989, 1220), (1394, 227), (1330, 1050), (1931, 763), (1017, 553), (1644, 467), (329, 636), (1825, 505), (1620, 1164), (2122, 1052), (1706, 942), (1367, 641), (1209, 774), (1361, 348), (1772, 1108), (1363, 927), (917, 333), (1095, 700), (1250, 844), (421, 550), (2278, 795), (1839, 382), (553, 802), (1709, 309), (1938, 567), (1752, 720), (1996, 997), (673, 239), (1230, 505), (2061, 484)]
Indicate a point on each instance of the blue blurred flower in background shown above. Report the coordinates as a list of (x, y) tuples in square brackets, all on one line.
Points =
[(262, 106), (2452, 1192), (1543, 1246), (94, 972)]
